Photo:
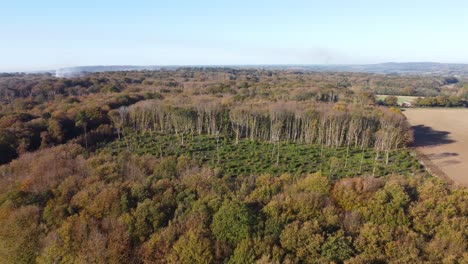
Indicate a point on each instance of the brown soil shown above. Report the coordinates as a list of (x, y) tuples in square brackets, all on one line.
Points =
[(442, 136)]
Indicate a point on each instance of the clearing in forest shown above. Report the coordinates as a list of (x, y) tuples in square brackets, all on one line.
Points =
[(442, 136), (257, 158)]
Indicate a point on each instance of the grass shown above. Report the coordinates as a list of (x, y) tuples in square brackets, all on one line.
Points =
[(255, 158), (401, 98)]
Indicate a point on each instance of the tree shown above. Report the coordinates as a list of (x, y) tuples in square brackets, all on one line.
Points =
[(192, 247), (303, 240), (408, 91), (337, 247), (19, 234), (7, 146), (391, 100), (147, 218), (388, 206), (454, 100), (55, 130), (89, 118), (82, 121), (232, 222), (441, 100), (119, 119), (244, 253), (372, 240)]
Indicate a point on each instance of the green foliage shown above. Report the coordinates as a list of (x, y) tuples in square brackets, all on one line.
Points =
[(250, 157), (391, 101), (232, 222), (440, 101), (244, 253), (90, 118), (388, 206), (303, 240), (191, 248), (337, 247), (148, 217), (315, 183), (372, 240), (19, 234)]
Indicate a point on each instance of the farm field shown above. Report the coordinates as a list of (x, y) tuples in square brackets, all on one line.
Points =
[(401, 98), (442, 136)]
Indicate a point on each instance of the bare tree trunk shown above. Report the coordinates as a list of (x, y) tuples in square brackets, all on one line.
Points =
[(375, 163), (160, 151), (362, 160), (277, 157), (217, 146), (273, 151), (346, 159), (321, 149), (86, 136)]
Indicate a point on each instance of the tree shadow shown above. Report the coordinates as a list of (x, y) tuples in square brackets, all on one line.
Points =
[(442, 155), (449, 162), (425, 136)]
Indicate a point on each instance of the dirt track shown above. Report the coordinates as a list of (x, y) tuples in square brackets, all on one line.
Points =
[(442, 136)]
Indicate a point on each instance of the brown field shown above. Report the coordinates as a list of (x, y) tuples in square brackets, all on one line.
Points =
[(442, 136)]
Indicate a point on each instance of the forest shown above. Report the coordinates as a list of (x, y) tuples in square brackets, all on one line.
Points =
[(220, 165)]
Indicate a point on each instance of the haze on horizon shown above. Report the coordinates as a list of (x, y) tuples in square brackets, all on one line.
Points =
[(42, 35)]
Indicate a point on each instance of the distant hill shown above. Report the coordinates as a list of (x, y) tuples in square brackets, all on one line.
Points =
[(429, 68), (407, 68), (81, 70)]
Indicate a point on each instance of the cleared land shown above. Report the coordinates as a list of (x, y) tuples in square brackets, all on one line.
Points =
[(257, 158), (442, 136)]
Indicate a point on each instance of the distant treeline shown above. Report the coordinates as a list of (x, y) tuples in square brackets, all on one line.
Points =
[(430, 101), (252, 82), (440, 101)]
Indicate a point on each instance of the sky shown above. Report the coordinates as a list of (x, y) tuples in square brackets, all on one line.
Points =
[(46, 34)]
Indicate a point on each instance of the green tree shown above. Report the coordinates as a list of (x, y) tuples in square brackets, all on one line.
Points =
[(372, 240), (337, 247), (88, 119), (148, 216), (303, 240), (82, 120), (19, 234), (454, 100), (244, 253), (388, 206), (191, 248), (442, 100), (232, 222), (391, 100)]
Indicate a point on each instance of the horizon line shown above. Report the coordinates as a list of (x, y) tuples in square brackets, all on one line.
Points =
[(230, 65)]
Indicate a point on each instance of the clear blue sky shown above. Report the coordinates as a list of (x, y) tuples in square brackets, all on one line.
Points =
[(49, 34)]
